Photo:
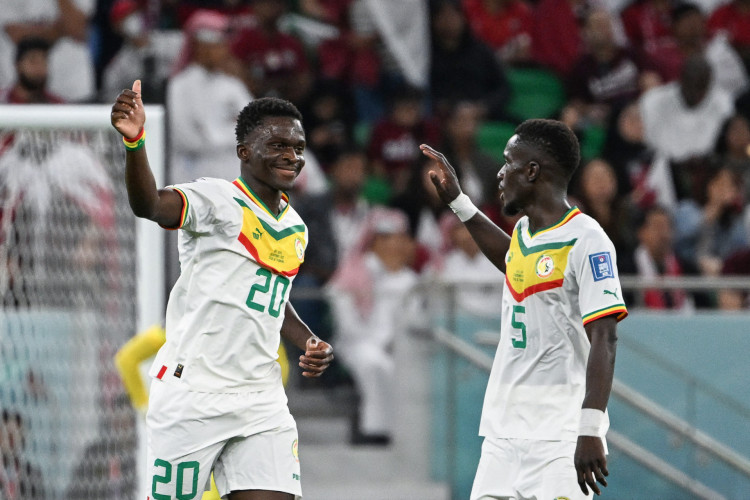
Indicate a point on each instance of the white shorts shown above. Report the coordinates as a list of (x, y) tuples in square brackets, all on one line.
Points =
[(248, 439), (516, 469)]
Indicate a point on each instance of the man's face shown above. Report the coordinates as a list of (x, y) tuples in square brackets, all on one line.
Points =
[(513, 185), (32, 70), (273, 153)]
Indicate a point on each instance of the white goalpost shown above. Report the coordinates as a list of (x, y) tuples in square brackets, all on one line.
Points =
[(79, 275)]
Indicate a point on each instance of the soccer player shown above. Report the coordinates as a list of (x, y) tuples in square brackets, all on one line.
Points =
[(544, 416), (216, 401)]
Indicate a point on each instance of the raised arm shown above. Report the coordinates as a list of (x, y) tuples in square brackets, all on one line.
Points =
[(590, 460), (492, 241), (318, 354), (163, 206)]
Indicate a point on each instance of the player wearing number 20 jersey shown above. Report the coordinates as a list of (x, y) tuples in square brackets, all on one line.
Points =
[(557, 280), (232, 289)]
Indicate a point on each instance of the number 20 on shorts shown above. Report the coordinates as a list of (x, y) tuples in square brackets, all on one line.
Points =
[(183, 469)]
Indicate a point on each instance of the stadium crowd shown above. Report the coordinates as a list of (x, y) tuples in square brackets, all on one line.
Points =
[(656, 90)]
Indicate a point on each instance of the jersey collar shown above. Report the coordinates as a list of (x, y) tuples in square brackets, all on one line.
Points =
[(248, 191), (572, 212)]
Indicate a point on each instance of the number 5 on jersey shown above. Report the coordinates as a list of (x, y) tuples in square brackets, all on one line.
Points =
[(277, 296), (519, 342)]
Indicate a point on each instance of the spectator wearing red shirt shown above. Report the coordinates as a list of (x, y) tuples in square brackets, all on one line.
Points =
[(648, 24), (31, 75), (556, 35), (274, 63), (733, 19), (395, 139), (606, 76), (504, 25)]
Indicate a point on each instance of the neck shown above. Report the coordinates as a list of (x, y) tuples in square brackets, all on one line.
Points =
[(268, 195), (546, 212)]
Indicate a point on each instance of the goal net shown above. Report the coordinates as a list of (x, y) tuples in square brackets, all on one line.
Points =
[(78, 276)]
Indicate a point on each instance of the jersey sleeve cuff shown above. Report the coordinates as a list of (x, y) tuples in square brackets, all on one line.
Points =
[(619, 310), (184, 213)]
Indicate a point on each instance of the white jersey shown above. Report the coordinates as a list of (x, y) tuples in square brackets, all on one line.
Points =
[(557, 280), (225, 311)]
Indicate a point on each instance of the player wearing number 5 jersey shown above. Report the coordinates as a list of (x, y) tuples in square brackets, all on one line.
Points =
[(216, 401), (544, 416)]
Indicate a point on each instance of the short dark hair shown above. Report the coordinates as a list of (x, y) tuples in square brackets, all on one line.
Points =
[(554, 139), (683, 9), (29, 44), (254, 113)]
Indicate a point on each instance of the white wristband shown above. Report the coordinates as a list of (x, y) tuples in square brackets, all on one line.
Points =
[(593, 423), (463, 207)]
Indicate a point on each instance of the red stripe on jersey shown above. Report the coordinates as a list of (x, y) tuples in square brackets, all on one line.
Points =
[(161, 372)]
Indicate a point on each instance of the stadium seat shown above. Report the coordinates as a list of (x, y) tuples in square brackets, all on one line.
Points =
[(535, 93), (492, 136)]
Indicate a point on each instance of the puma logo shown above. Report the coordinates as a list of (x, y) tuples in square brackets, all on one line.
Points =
[(607, 292), (257, 233)]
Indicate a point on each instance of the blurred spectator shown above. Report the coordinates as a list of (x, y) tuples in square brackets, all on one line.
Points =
[(203, 101), (394, 141), (733, 19), (626, 151), (368, 295), (462, 67), (607, 76), (398, 32), (736, 264), (733, 144), (63, 23), (240, 12), (655, 257), (32, 73), (478, 169), (329, 120), (682, 121), (334, 220), (648, 25), (19, 479), (145, 54), (598, 194), (462, 262), (689, 39), (708, 232), (683, 118), (107, 468), (556, 33), (504, 25), (423, 209), (274, 62)]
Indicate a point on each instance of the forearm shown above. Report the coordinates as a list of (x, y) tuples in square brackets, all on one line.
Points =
[(492, 241), (294, 329), (601, 363), (141, 184)]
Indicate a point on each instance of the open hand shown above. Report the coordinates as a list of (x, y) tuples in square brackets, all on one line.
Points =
[(591, 463), (317, 358), (128, 114), (442, 174)]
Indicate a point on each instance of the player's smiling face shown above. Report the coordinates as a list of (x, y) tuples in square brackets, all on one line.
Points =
[(273, 153), (513, 184)]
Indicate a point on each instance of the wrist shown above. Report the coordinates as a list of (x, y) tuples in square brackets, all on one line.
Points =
[(136, 142), (593, 423), (463, 207)]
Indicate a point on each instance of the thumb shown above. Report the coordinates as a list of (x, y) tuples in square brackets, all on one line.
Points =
[(137, 88)]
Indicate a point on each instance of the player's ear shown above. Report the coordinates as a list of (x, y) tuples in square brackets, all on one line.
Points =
[(242, 152), (533, 168)]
